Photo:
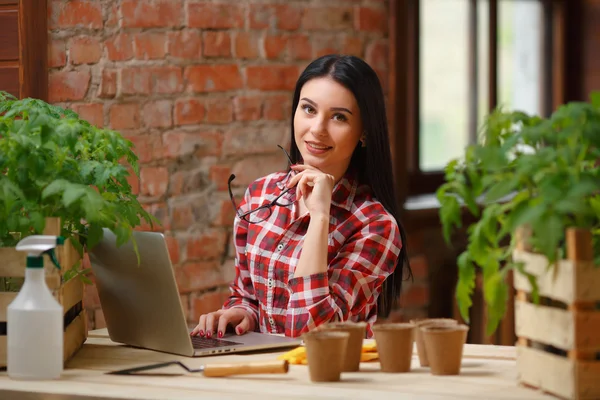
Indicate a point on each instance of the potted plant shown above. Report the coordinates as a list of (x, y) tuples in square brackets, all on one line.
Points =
[(60, 175), (533, 185)]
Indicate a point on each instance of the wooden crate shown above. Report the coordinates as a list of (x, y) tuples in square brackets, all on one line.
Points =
[(69, 294), (558, 343)]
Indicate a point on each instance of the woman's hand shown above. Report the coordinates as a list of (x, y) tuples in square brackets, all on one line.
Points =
[(241, 319), (315, 187)]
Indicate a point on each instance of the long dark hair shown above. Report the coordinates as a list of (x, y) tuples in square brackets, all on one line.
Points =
[(373, 163)]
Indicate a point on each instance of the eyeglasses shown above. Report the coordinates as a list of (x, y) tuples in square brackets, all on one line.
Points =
[(264, 211)]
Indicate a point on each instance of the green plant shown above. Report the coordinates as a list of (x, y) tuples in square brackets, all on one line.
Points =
[(542, 173), (54, 164)]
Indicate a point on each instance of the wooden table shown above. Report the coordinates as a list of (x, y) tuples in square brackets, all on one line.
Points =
[(488, 372)]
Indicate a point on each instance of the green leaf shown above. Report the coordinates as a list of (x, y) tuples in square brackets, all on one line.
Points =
[(465, 285), (73, 193), (501, 189)]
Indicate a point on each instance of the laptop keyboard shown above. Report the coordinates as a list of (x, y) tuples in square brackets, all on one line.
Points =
[(200, 342)]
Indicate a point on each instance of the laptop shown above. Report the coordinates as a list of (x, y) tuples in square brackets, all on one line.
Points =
[(142, 306)]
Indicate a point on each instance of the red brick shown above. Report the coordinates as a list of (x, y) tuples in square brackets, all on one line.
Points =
[(246, 45), (208, 302), (136, 81), (217, 44), (415, 295), (327, 18), (260, 16), (108, 85), (213, 78), (371, 20), (251, 168), (158, 114), (275, 46), (246, 140), (154, 181), (134, 181), (219, 174), (326, 45), (180, 144), (146, 147), (119, 47), (161, 213), (275, 77), (149, 46), (99, 321), (125, 116), (166, 79), (85, 50), (182, 213), (197, 276), (68, 85), (57, 54), (75, 14), (226, 213), (188, 181), (92, 113), (247, 108), (185, 45), (353, 45), (288, 17), (277, 108), (377, 54), (219, 111), (300, 47), (113, 16), (215, 16), (189, 112), (206, 246), (173, 247), (152, 13)]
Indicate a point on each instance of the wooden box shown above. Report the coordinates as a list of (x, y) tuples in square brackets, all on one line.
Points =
[(69, 294), (558, 343)]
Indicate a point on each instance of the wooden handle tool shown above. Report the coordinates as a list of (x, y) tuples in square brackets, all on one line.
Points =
[(261, 367)]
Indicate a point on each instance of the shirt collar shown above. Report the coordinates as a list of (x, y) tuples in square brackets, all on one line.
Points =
[(343, 191)]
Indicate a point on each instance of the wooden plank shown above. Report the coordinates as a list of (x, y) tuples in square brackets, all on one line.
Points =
[(588, 382), (8, 2), (74, 336), (13, 262), (533, 322), (71, 293), (546, 371), (562, 282), (5, 299), (9, 36), (33, 32)]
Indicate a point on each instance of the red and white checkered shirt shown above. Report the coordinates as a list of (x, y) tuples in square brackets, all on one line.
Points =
[(364, 244)]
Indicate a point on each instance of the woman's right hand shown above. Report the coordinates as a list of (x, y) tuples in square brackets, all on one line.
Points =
[(216, 322)]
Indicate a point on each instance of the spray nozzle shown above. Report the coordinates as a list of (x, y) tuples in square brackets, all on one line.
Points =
[(38, 245)]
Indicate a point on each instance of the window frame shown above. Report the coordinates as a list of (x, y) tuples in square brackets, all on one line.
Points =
[(404, 78)]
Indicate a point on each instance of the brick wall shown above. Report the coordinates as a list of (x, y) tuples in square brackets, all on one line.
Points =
[(203, 89)]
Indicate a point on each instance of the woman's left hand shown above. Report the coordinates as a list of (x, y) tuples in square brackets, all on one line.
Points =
[(315, 187)]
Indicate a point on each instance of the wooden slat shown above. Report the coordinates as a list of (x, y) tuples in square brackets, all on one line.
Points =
[(74, 336), (9, 80), (13, 262), (562, 282), (546, 324), (5, 299), (546, 371), (71, 293), (9, 36), (33, 33), (588, 379), (8, 2)]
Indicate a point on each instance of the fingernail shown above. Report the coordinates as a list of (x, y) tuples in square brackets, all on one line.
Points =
[(201, 333), (220, 334), (208, 334), (238, 331)]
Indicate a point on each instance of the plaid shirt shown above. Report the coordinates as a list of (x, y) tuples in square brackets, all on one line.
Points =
[(363, 246)]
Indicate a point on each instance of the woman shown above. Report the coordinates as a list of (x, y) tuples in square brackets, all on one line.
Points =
[(321, 242)]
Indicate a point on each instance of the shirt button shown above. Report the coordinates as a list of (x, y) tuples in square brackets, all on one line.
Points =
[(271, 321), (270, 282), (280, 247)]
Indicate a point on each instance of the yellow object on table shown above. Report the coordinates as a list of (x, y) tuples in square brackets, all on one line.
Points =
[(298, 355)]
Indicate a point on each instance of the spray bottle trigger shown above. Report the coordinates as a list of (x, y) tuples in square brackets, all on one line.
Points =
[(53, 258)]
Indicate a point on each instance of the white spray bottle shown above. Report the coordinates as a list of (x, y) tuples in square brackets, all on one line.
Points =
[(34, 318)]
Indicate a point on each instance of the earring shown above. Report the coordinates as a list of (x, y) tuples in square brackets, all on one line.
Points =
[(363, 141)]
